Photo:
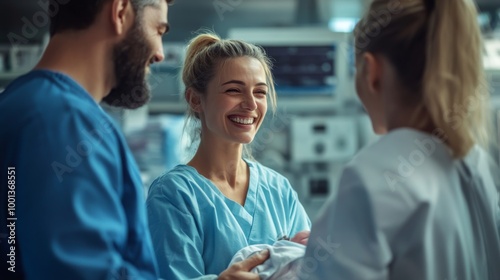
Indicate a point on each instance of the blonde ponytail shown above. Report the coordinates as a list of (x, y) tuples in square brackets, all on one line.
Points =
[(454, 87), (436, 48)]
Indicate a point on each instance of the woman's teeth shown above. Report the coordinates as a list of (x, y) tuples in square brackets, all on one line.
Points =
[(243, 120)]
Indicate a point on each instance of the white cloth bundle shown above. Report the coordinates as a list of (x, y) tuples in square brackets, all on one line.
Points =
[(283, 263)]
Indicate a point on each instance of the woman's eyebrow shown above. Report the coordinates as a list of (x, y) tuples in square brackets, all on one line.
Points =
[(242, 83)]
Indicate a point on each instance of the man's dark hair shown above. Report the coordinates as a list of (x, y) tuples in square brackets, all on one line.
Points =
[(80, 14)]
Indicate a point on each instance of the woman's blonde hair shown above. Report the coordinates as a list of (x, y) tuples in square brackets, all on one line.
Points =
[(206, 54), (436, 48)]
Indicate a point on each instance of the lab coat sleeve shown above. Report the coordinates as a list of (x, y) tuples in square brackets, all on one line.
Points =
[(71, 220), (298, 218), (177, 240), (493, 170), (345, 242)]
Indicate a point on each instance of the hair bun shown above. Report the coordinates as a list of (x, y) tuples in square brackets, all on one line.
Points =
[(201, 42)]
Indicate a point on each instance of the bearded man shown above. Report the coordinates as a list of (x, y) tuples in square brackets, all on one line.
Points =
[(71, 188)]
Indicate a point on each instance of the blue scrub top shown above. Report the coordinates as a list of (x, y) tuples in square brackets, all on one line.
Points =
[(78, 192), (196, 230)]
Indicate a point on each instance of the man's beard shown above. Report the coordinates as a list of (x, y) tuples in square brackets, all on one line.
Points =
[(130, 59)]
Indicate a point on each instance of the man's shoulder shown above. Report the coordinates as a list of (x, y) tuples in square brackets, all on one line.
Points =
[(45, 91), (50, 98)]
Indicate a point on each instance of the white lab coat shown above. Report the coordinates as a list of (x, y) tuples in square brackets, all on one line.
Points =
[(405, 209)]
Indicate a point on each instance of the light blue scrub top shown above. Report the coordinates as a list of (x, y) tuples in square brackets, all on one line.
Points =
[(79, 200), (196, 230)]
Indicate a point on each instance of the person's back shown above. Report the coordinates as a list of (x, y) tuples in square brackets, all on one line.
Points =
[(432, 216), (421, 202)]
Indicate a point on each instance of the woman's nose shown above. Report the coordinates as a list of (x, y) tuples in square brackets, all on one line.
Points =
[(249, 102)]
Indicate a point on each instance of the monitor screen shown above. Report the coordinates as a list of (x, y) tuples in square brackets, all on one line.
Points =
[(304, 70)]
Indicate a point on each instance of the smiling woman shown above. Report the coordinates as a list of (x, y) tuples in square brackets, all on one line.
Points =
[(221, 200)]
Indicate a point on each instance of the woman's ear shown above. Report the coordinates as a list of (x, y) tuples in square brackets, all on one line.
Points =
[(193, 99), (372, 72)]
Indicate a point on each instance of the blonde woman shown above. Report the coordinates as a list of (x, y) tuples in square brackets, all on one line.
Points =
[(202, 213), (421, 202)]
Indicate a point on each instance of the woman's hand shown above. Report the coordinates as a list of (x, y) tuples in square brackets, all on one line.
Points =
[(240, 270), (301, 237)]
